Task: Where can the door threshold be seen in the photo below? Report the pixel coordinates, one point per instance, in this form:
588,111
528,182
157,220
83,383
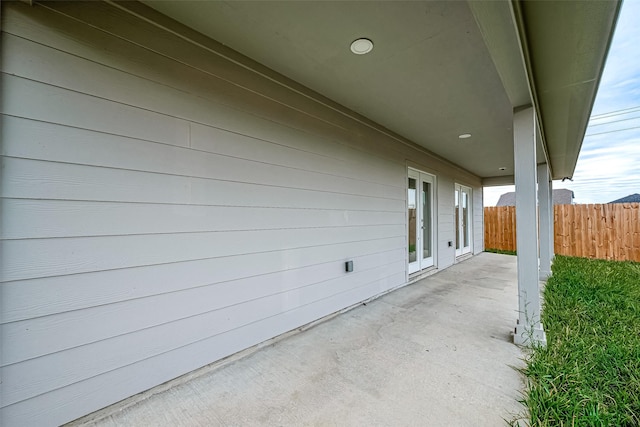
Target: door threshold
419,275
463,257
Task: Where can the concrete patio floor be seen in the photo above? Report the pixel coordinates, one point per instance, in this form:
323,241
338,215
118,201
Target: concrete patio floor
436,353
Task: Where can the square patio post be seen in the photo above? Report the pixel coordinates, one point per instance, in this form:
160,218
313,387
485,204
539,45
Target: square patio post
545,209
552,222
528,328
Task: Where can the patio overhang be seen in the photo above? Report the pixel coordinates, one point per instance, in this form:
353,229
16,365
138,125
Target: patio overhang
190,179
438,69
502,90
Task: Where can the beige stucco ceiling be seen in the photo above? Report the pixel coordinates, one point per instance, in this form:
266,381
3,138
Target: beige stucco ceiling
438,68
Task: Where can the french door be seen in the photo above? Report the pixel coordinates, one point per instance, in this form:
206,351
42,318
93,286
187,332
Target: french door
420,206
463,219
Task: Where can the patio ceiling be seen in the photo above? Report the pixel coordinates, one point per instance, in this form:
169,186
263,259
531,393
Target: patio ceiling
438,69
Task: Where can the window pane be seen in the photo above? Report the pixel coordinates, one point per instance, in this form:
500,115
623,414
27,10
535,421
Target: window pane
426,217
412,219
457,209
465,217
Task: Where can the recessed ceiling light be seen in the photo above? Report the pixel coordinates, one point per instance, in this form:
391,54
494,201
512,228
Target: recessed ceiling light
502,168
464,136
361,46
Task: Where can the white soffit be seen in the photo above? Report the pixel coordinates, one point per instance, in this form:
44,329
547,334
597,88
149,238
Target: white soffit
439,69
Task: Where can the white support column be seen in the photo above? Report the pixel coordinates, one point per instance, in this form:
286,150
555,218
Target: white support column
552,224
528,329
545,209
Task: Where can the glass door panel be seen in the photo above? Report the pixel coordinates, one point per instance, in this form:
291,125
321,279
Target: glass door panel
457,208
413,215
420,205
463,219
427,225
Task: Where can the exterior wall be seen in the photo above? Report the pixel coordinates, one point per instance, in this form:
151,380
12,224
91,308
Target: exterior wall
165,205
446,222
478,221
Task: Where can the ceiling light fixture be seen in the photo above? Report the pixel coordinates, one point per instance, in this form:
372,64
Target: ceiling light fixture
502,168
361,46
464,136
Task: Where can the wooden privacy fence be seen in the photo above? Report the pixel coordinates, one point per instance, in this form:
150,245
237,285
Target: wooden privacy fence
609,231
500,228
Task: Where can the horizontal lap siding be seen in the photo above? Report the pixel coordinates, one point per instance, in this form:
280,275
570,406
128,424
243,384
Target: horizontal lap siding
30,298
164,207
153,222
181,318
478,221
446,222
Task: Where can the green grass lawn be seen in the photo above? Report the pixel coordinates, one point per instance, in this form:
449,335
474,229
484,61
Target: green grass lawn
589,373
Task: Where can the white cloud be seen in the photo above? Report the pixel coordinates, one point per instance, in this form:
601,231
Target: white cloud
492,194
608,166
620,85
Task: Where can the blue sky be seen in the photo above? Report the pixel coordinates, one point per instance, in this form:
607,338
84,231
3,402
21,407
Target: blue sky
609,164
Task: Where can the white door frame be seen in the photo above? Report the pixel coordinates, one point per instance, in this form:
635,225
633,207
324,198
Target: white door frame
421,214
464,226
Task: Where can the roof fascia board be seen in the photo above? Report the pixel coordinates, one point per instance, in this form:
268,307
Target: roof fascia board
520,33
599,76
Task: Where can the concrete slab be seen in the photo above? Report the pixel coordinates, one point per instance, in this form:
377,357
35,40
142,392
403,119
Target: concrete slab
435,353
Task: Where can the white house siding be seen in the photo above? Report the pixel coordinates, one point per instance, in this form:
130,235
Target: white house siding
446,222
164,207
478,221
